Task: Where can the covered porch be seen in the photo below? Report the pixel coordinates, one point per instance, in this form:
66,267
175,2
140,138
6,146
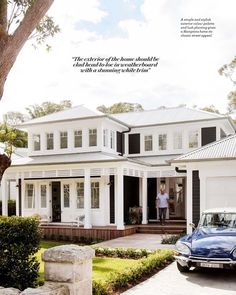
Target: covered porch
104,193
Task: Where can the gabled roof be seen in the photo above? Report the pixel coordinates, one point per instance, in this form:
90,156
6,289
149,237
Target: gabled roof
78,112
165,116
224,149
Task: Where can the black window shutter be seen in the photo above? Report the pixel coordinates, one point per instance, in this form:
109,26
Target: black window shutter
134,143
208,135
196,196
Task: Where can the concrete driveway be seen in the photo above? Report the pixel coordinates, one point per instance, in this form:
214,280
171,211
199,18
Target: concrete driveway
170,281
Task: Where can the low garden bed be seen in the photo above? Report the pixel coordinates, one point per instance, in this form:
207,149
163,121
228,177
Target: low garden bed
115,270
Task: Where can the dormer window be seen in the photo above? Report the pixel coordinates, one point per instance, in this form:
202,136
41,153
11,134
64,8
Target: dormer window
178,140
92,137
50,143
36,140
105,137
63,140
112,140
193,139
162,142
148,143
78,138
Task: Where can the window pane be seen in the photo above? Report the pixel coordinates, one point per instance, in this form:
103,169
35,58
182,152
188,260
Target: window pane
43,195
29,196
80,195
78,138
162,141
105,137
148,143
66,194
36,140
50,144
63,139
92,137
95,195
112,140
193,139
178,140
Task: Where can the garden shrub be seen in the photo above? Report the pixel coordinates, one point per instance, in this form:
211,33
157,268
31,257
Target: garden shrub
172,239
128,253
19,241
121,279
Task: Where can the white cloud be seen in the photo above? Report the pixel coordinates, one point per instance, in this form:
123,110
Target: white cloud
187,72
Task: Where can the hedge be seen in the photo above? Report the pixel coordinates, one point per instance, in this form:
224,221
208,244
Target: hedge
19,241
128,253
121,279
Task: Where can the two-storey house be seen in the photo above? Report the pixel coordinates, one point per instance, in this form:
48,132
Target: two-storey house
83,162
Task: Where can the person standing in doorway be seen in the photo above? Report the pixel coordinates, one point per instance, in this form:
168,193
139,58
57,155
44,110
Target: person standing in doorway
162,203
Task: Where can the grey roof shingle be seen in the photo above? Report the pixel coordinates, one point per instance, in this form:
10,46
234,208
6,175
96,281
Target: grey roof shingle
78,112
165,116
218,150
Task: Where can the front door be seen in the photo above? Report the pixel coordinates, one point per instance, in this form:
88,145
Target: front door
56,201
152,194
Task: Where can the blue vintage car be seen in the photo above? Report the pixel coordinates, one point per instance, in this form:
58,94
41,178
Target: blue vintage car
212,244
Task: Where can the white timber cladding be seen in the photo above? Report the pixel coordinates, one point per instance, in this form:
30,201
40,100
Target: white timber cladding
87,135
174,138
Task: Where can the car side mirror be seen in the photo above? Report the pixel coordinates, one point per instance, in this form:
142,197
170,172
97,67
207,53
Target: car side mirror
192,225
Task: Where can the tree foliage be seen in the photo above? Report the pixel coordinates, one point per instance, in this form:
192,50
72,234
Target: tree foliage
14,118
21,20
211,108
47,107
229,71
121,107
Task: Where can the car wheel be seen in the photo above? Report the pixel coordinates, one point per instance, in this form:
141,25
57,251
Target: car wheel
182,268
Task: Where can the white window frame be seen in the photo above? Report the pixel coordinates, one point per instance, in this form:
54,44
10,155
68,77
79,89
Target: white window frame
105,137
148,139
160,148
112,139
63,135
63,194
46,197
93,184
26,205
178,140
49,137
78,135
193,144
36,142
79,196
92,137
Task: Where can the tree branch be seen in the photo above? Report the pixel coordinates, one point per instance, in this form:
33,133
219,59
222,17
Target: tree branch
11,46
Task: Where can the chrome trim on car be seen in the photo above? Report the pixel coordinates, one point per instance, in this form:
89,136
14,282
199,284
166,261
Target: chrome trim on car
194,259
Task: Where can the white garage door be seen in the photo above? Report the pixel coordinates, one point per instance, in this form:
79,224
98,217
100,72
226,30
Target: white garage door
220,192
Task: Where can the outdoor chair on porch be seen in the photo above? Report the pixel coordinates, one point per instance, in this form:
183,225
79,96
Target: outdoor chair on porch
79,220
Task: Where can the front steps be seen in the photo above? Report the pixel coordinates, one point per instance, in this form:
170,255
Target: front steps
171,227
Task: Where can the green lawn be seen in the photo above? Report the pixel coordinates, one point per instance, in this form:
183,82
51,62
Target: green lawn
102,267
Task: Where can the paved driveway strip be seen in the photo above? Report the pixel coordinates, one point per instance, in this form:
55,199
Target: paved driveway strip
170,281
149,241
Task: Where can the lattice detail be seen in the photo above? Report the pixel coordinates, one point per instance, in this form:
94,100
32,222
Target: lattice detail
77,172
26,174
11,175
50,173
112,171
168,173
151,174
131,172
63,173
136,173
125,171
36,174
95,172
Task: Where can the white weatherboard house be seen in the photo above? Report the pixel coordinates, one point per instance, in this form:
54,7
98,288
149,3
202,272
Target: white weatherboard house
83,162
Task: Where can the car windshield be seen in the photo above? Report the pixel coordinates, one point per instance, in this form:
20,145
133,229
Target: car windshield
218,220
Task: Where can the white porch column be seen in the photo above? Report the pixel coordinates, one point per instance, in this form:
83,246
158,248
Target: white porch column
4,190
144,198
17,194
22,196
189,201
119,189
87,199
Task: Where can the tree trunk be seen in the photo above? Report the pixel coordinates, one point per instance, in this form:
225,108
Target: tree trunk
10,45
5,162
